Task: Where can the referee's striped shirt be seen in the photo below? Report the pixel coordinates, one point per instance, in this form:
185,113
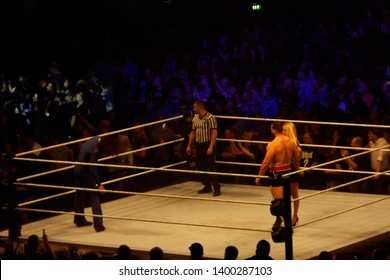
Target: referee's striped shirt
203,126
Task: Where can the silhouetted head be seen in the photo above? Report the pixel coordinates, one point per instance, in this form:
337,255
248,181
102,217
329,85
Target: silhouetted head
124,252
156,253
325,255
263,248
231,253
196,250
33,243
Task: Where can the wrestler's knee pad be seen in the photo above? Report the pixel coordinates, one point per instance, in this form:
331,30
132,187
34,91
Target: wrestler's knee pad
278,235
277,207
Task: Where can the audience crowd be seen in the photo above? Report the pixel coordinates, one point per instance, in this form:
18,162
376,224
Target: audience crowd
41,249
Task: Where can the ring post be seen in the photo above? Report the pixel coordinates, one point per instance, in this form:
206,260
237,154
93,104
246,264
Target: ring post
287,218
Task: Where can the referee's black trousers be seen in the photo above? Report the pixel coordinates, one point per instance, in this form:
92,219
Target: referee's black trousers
206,162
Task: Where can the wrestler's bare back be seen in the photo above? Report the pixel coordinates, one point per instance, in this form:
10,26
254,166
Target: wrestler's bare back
280,151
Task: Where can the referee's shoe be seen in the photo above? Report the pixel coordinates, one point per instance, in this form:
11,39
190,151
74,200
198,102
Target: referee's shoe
217,192
206,189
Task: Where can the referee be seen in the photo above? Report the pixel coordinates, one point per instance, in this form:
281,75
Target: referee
204,134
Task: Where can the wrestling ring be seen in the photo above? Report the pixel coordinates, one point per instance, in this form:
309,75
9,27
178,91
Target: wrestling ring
175,216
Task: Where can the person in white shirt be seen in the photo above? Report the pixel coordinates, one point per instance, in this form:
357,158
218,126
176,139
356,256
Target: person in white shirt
379,158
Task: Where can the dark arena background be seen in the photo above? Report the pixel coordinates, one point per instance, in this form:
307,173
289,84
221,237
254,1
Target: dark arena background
75,32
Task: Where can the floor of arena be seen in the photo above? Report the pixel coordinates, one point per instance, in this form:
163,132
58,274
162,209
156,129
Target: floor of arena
328,221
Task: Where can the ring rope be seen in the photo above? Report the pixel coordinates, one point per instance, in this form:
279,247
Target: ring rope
307,168
181,116
100,135
301,121
144,167
344,211
142,220
139,173
344,171
303,168
301,144
334,161
104,183
133,151
342,185
238,163
142,149
45,198
170,142
85,163
45,173
203,225
138,193
183,197
199,172
309,222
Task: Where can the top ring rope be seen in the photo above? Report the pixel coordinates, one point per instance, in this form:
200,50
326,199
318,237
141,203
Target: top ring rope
100,135
302,121
142,167
140,173
142,149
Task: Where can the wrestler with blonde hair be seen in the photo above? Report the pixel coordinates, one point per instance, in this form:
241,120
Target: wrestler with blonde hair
290,131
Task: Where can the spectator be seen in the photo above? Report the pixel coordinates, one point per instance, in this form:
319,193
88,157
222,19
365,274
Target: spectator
92,256
310,158
35,252
269,107
55,75
60,153
337,138
196,251
139,140
62,254
380,254
231,148
156,253
124,252
358,162
386,93
114,145
325,255
263,249
231,253
380,160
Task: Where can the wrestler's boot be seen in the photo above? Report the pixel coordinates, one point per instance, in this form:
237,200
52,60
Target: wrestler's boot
277,207
278,223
